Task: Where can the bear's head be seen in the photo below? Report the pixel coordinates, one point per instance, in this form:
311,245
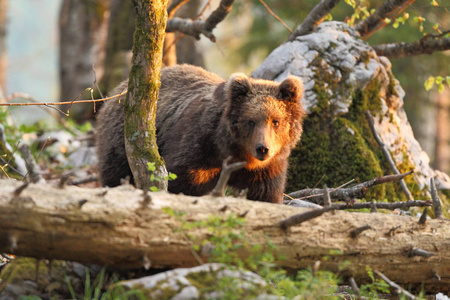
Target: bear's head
264,117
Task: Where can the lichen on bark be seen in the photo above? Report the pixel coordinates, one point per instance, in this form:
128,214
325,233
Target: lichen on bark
143,87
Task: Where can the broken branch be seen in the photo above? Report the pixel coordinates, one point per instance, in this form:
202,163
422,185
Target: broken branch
227,169
384,205
436,201
357,191
387,155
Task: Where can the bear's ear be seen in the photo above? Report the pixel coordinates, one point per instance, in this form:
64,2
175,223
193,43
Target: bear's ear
291,89
238,86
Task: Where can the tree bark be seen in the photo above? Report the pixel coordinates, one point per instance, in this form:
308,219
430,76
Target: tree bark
442,161
83,33
121,227
120,41
3,60
143,91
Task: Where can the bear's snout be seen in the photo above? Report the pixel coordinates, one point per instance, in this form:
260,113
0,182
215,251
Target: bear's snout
262,152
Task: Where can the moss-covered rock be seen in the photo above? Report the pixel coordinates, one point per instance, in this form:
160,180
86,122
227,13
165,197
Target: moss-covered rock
343,77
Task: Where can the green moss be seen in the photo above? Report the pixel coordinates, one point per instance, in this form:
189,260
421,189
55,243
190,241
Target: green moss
204,281
343,147
24,268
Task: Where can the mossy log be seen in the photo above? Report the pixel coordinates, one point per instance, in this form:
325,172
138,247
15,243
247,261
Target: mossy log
121,227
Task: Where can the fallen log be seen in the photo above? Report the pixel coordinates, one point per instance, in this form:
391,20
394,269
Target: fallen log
124,227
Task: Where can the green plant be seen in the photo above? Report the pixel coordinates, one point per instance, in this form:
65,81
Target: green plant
95,290
371,290
229,243
151,166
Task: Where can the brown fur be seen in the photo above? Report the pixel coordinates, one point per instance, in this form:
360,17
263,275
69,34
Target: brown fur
201,120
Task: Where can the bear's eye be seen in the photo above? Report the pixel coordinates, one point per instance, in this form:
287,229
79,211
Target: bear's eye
251,123
275,123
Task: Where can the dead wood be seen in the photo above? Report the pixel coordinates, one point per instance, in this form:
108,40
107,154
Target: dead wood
357,191
121,228
227,169
387,155
436,201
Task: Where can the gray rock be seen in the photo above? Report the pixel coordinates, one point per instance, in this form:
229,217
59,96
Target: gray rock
178,281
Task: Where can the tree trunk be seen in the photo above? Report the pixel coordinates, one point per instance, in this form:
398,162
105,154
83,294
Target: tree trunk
187,48
443,131
120,41
142,96
122,228
3,60
83,33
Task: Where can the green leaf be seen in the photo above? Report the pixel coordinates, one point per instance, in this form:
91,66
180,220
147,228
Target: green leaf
387,20
434,3
172,176
154,189
151,166
439,79
440,88
429,83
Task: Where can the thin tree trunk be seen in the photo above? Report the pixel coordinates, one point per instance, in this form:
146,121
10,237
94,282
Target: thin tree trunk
143,91
83,33
122,227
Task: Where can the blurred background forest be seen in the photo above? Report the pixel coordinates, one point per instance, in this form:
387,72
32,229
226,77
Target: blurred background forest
47,48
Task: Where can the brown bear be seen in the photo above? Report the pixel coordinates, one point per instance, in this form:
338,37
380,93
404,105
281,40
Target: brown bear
201,120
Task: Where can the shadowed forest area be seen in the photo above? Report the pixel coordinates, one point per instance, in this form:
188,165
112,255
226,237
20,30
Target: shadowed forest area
362,209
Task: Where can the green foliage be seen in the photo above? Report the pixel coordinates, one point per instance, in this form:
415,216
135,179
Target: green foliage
228,243
377,286
439,81
151,166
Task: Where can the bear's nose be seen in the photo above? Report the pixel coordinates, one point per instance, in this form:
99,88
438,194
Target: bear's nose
261,150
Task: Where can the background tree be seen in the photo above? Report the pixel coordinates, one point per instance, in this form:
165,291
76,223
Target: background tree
3,60
83,33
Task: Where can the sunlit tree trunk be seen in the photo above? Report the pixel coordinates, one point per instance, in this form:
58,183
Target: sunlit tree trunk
442,161
83,33
143,91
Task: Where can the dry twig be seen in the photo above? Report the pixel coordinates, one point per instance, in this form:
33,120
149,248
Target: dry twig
436,201
384,205
397,288
275,16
